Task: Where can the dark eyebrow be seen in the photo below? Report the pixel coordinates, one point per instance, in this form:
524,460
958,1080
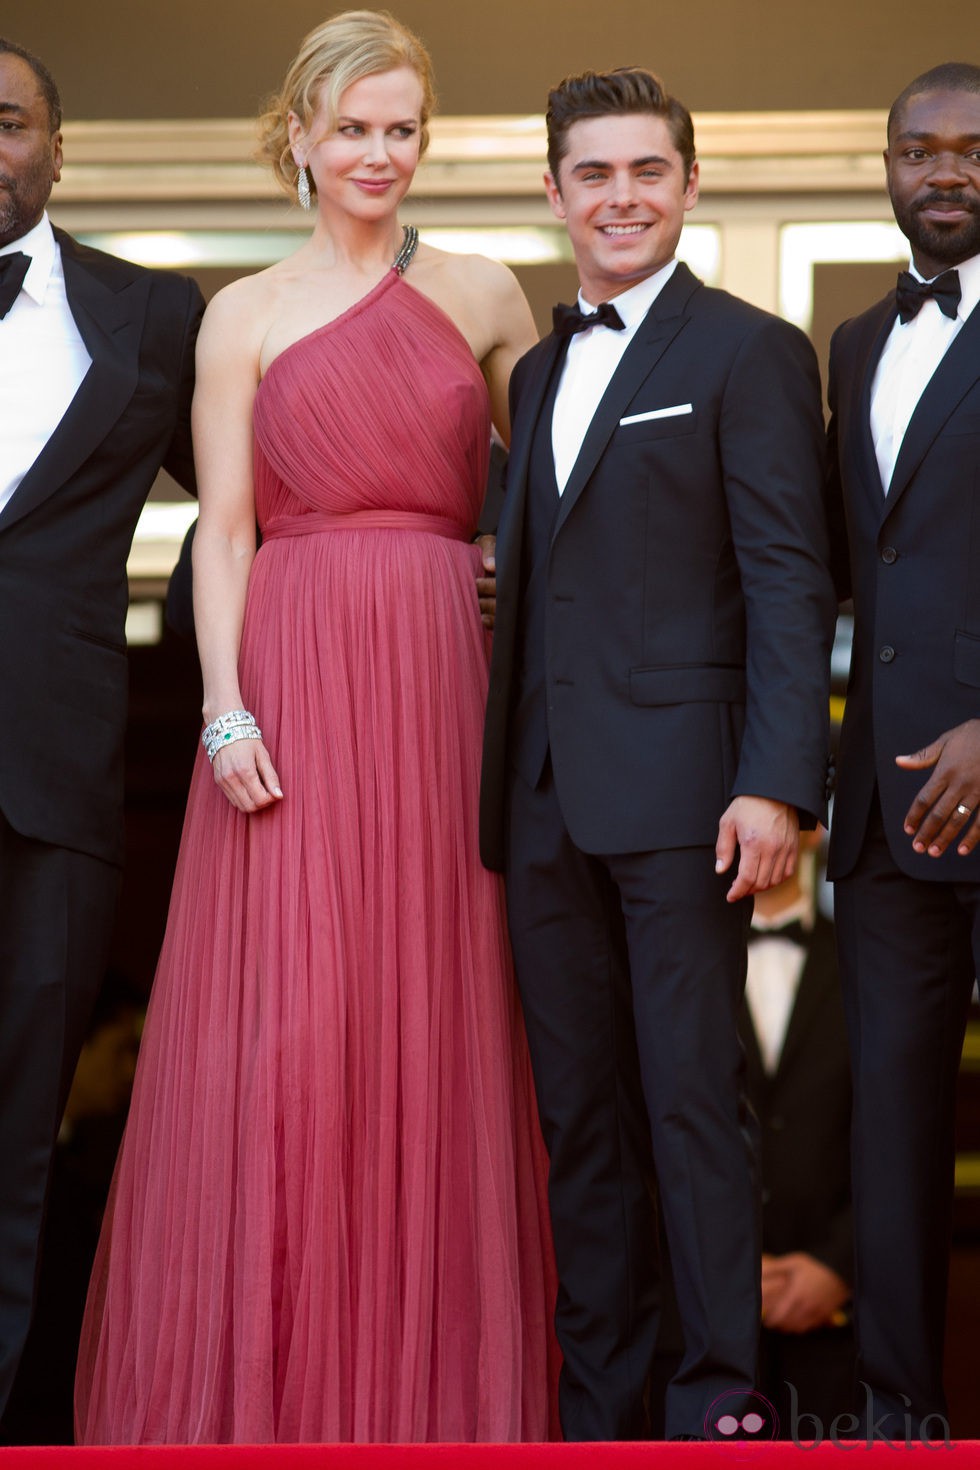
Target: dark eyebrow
13,107
598,163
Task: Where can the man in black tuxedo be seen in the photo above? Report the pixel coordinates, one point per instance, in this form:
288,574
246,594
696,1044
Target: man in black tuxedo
96,372
658,703
798,1081
905,450
799,1085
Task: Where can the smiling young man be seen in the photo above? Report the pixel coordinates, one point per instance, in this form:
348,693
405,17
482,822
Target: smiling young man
905,451
656,728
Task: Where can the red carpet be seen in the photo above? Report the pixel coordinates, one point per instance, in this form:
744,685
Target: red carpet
770,1456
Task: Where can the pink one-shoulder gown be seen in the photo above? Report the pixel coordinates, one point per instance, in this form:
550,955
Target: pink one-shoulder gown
328,1220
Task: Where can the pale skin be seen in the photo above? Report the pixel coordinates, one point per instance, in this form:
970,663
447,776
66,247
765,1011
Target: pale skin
623,191
362,164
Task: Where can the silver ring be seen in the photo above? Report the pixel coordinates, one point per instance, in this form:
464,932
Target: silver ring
962,811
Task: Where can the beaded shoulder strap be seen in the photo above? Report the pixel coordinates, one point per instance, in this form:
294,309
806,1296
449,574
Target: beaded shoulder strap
410,243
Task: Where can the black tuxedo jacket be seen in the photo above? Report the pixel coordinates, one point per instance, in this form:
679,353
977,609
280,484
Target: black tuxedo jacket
913,570
690,609
64,538
804,1112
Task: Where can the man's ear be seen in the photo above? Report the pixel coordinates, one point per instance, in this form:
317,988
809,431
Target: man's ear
693,186
554,196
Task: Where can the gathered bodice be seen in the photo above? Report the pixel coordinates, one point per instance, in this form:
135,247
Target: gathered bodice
383,409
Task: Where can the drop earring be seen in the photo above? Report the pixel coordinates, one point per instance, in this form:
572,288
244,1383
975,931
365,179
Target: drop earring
303,188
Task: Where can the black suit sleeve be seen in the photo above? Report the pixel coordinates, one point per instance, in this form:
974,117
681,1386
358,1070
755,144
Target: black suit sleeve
772,448
179,462
494,495
840,563
837,1249
179,458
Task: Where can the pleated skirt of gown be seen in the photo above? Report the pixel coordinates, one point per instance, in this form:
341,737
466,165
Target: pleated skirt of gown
328,1218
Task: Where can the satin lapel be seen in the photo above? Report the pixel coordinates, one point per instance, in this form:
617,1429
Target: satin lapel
955,376
110,323
664,320
511,524
862,444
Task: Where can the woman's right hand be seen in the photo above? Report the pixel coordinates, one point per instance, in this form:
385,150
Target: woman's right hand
244,771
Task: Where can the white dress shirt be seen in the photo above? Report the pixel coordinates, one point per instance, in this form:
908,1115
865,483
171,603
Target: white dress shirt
590,361
42,358
775,968
909,358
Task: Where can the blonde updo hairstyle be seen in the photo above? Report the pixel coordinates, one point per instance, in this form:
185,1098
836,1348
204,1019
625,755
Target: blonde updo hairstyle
341,51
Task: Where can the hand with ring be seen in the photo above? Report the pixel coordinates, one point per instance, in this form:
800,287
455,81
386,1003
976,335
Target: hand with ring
945,807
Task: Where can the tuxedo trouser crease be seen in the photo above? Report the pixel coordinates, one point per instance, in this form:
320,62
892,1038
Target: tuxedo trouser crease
909,952
57,910
631,969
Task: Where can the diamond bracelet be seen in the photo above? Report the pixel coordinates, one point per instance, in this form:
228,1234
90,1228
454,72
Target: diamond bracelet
238,724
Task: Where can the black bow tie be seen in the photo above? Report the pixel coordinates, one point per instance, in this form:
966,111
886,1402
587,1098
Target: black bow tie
13,269
912,294
793,931
571,319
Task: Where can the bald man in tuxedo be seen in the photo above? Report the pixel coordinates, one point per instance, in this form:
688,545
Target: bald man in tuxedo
96,375
904,390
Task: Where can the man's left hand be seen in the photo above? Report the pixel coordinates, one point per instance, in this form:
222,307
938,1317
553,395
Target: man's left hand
486,586
766,834
946,806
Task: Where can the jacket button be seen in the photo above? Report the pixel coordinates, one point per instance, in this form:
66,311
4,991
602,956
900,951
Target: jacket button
886,654
889,555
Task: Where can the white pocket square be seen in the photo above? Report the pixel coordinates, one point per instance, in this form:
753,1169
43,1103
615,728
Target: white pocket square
658,413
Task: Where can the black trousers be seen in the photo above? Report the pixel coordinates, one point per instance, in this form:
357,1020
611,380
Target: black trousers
57,910
809,1375
631,968
909,951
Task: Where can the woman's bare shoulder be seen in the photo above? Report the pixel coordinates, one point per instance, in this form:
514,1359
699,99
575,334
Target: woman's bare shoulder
474,273
241,312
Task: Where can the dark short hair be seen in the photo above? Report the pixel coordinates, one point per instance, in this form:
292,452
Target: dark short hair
47,83
628,89
950,76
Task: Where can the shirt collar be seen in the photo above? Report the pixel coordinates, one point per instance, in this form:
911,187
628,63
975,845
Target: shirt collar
634,304
39,243
969,274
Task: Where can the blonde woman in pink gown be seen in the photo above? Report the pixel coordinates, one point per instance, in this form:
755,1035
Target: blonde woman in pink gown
327,1221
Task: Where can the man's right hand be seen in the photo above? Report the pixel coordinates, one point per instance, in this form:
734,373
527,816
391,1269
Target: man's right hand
946,807
766,835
